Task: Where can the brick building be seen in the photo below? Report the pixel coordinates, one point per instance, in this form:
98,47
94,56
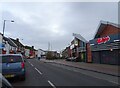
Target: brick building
30,52
20,46
105,46
66,53
77,48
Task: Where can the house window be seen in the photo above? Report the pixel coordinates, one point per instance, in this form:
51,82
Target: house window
82,44
98,36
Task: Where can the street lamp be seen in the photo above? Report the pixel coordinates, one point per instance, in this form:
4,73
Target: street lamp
4,25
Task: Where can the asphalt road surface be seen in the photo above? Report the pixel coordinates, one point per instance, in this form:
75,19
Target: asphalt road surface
39,73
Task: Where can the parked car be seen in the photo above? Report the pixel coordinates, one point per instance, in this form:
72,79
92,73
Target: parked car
4,82
13,66
71,59
76,59
67,59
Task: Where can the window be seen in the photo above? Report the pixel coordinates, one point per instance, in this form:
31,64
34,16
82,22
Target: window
11,59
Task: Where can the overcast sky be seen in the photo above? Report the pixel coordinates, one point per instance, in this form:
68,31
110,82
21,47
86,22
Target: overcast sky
54,22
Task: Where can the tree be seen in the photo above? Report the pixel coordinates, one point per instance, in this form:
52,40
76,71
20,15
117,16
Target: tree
49,55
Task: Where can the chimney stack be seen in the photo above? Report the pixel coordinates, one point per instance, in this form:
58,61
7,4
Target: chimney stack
17,39
32,47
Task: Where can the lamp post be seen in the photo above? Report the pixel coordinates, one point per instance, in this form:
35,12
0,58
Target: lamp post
4,29
4,25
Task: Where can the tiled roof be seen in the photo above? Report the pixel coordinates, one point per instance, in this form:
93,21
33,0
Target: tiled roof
29,47
10,42
17,43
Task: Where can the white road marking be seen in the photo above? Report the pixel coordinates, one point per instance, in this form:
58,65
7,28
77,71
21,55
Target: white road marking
38,71
28,62
51,84
31,64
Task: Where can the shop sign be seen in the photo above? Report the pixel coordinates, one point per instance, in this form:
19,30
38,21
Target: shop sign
76,42
2,45
72,46
103,40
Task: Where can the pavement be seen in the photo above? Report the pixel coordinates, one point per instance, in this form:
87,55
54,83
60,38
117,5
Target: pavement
100,68
41,74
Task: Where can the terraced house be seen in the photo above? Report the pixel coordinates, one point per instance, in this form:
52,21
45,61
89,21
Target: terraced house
20,46
9,46
30,52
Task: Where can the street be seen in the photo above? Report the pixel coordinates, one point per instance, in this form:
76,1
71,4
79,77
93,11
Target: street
39,73
60,43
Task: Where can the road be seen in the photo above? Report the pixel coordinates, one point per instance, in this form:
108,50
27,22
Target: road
39,73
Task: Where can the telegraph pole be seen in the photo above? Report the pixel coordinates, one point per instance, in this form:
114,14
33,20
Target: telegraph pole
48,46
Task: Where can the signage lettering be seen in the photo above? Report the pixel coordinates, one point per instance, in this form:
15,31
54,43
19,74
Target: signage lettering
103,40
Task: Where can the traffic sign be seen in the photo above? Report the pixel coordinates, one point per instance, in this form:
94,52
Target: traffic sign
2,45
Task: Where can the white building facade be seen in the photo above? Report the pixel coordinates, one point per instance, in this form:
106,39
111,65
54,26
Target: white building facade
40,53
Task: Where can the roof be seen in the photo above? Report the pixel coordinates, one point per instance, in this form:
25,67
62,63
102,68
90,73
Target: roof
78,36
11,54
42,50
10,42
18,43
102,26
1,33
29,47
51,51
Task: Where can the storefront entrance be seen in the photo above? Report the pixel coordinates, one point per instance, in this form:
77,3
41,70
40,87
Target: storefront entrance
109,57
96,57
106,57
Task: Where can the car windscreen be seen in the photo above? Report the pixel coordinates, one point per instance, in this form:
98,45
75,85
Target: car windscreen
11,59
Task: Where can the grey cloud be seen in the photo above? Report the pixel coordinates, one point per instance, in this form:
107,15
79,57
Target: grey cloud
40,23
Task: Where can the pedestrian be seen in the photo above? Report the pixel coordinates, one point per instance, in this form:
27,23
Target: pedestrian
38,58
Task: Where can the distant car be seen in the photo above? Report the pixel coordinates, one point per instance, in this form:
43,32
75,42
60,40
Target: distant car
13,66
31,57
71,59
68,59
4,82
75,59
